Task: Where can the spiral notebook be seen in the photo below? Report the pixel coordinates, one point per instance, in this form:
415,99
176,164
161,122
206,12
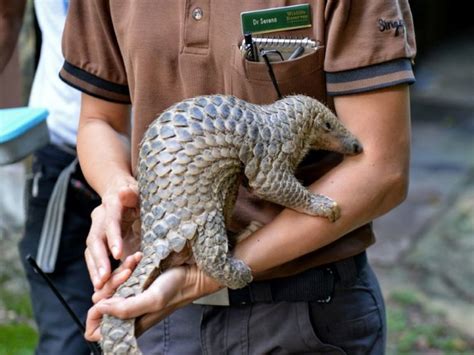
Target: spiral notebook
288,47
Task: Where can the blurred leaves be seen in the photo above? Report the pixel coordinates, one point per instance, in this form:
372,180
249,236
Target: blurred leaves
414,328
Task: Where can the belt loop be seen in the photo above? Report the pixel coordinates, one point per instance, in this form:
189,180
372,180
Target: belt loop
260,292
347,271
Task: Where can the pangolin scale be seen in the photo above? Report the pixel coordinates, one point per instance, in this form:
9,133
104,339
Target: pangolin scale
191,161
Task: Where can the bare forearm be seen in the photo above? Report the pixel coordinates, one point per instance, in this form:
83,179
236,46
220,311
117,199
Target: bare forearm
362,197
103,144
365,186
11,18
103,164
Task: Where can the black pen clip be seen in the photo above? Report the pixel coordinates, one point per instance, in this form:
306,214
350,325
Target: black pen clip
251,51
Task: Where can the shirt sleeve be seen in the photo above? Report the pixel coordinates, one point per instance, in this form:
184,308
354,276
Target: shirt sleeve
369,45
93,61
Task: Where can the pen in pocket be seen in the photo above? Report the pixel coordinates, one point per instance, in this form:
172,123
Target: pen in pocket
296,53
251,50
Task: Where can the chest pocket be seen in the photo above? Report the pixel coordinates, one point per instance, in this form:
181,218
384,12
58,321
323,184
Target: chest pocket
251,81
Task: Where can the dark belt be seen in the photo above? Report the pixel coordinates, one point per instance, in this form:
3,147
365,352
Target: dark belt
313,285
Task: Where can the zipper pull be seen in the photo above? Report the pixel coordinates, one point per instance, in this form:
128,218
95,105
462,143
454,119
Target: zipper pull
34,187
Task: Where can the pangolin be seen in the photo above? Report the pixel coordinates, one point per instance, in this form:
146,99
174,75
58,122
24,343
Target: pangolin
191,161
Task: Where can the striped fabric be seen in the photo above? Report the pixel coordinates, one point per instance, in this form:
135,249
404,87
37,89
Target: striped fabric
93,85
370,78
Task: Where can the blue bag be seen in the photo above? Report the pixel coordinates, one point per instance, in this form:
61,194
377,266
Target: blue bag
22,131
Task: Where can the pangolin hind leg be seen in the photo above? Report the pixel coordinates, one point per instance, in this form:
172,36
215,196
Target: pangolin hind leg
211,253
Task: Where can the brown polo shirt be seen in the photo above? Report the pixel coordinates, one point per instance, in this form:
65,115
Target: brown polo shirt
153,53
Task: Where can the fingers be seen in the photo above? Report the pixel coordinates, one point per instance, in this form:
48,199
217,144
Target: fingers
143,323
132,307
123,308
95,314
131,261
174,288
152,300
163,292
119,276
122,210
92,269
94,317
96,254
113,218
111,285
104,235
109,221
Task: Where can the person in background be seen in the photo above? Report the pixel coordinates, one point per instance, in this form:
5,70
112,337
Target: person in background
59,199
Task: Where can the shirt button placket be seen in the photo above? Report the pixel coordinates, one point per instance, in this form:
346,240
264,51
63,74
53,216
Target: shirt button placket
196,31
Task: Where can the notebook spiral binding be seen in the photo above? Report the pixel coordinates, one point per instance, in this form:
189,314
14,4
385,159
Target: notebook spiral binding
284,42
291,42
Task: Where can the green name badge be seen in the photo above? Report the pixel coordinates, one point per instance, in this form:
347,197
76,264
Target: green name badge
276,19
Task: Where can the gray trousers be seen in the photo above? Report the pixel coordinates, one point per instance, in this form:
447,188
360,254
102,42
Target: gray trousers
353,322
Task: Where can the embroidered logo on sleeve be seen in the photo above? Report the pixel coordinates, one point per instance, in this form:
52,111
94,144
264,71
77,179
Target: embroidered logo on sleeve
387,25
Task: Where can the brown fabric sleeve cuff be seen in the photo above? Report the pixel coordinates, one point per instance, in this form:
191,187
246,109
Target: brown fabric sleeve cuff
370,78
93,85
